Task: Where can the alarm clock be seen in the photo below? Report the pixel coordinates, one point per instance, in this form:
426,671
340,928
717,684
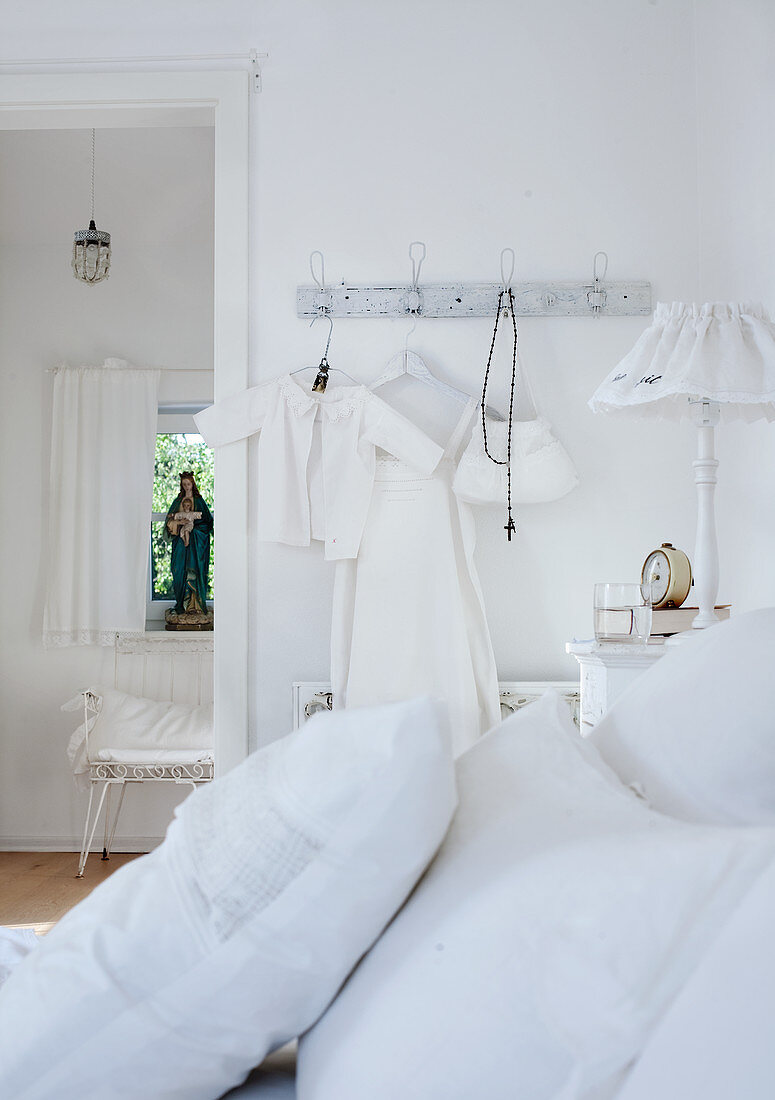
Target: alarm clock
669,573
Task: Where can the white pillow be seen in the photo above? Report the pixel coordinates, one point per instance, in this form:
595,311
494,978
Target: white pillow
697,731
142,726
558,920
176,976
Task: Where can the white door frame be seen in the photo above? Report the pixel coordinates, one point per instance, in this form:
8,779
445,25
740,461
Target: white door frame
220,99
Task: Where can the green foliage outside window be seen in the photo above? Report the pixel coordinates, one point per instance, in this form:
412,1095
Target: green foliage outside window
175,453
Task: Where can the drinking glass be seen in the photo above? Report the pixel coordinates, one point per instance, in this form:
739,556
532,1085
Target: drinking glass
623,613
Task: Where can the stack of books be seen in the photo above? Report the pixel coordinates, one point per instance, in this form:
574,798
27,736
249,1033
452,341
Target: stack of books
672,620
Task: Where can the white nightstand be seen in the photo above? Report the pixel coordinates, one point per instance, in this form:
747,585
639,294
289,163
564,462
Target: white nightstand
605,670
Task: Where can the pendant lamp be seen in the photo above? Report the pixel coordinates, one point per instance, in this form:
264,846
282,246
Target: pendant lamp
707,363
91,247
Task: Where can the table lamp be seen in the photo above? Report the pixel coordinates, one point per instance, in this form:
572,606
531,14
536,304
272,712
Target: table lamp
707,362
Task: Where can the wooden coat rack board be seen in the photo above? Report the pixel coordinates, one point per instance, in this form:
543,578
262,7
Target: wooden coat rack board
535,299
595,297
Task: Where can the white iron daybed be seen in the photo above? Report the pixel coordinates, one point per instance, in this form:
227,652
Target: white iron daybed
133,738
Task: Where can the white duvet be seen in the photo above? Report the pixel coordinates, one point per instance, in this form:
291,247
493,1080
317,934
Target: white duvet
557,923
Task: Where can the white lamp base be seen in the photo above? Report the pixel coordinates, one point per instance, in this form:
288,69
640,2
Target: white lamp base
706,565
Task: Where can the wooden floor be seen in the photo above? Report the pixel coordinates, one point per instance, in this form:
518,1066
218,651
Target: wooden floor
38,888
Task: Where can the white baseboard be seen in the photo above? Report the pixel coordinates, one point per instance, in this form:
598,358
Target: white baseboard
73,844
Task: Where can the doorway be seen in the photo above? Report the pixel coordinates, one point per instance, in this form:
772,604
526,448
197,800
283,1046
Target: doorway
170,101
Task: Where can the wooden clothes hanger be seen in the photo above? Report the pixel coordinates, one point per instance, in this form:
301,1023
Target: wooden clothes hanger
409,362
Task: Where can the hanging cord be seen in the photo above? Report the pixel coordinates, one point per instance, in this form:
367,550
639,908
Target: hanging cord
510,527
92,174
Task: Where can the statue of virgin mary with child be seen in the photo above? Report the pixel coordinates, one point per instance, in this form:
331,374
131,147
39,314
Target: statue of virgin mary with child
189,526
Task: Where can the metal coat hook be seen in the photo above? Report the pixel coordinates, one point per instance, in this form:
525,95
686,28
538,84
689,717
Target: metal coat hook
597,296
506,280
414,298
595,275
324,295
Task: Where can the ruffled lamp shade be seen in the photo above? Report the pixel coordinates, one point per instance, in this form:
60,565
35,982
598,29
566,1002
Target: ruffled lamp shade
710,362
722,352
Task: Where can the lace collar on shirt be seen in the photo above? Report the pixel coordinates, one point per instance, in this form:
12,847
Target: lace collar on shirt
337,402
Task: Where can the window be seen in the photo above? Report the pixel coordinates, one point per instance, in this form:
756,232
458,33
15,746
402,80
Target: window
175,451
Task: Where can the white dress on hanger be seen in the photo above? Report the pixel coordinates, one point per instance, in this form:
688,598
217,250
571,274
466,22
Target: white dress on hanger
408,612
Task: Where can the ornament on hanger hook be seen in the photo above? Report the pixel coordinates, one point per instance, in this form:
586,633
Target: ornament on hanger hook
91,247
597,296
414,297
323,295
506,279
321,378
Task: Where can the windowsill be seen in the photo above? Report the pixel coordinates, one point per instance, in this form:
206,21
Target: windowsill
155,639
156,629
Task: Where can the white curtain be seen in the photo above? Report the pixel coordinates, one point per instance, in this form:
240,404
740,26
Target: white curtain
103,439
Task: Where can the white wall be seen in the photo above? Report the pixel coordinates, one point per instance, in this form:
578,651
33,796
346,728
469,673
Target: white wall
736,94
558,129
546,127
154,194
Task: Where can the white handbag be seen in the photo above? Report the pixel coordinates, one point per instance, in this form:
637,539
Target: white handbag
514,461
541,468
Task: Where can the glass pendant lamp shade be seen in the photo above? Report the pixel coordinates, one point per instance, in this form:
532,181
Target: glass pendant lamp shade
91,254
91,247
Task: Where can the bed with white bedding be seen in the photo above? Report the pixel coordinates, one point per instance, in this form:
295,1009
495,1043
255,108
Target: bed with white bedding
591,922
714,1041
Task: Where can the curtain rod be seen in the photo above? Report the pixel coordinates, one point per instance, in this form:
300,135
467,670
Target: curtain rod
252,56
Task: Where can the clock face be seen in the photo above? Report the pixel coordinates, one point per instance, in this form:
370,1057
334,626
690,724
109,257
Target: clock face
656,572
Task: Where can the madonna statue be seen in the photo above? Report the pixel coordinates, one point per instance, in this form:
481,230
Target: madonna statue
189,525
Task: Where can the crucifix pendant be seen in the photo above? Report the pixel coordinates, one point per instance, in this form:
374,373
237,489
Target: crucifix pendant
510,527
